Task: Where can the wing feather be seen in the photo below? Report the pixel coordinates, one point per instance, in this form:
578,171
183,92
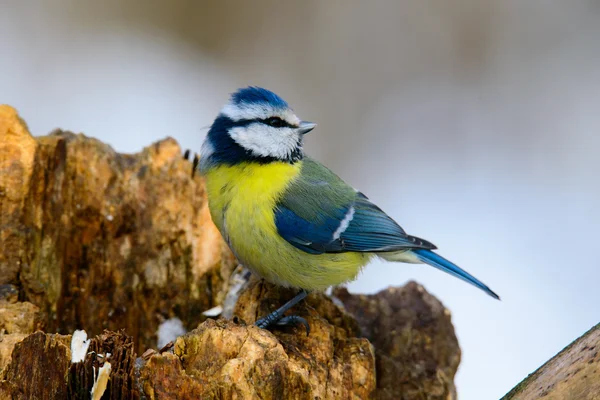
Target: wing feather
320,213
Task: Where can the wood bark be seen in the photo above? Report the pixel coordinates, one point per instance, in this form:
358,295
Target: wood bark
574,373
102,240
116,244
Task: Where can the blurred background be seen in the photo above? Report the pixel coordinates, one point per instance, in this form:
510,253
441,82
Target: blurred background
474,123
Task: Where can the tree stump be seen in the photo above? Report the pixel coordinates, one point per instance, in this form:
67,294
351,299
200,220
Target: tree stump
116,244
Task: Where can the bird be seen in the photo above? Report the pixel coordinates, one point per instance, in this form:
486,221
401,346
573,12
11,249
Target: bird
286,216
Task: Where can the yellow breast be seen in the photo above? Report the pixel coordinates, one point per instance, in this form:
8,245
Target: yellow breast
242,199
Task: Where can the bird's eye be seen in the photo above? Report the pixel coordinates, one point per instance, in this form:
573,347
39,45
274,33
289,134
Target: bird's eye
275,122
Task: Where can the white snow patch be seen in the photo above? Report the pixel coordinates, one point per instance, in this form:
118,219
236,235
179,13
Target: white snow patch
169,330
213,312
79,346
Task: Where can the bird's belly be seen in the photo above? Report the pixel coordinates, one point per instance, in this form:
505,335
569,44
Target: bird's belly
244,214
254,239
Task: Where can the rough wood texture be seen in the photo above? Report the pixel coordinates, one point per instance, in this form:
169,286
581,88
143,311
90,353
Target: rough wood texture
7,344
38,369
574,373
415,354
234,359
92,239
17,321
19,317
417,350
118,349
102,240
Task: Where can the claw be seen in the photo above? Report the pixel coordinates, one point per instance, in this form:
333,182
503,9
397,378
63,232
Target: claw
294,320
265,322
269,320
261,323
277,318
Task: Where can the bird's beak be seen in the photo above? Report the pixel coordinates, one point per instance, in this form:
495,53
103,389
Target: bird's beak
306,127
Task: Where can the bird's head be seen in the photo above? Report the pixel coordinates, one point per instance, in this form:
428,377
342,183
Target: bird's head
255,125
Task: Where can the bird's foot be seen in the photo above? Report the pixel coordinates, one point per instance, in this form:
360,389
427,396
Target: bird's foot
269,320
276,319
294,320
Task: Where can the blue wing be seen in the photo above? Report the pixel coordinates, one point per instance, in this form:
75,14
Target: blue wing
319,213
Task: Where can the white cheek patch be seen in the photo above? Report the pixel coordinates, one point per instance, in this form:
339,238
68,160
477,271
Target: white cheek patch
238,112
266,141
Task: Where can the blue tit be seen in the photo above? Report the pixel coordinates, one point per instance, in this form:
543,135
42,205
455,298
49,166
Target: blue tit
287,217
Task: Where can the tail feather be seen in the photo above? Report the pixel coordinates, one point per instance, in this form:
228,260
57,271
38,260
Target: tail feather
439,262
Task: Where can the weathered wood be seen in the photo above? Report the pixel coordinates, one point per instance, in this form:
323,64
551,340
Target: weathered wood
38,369
416,347
17,321
101,240
223,359
574,373
116,348
93,239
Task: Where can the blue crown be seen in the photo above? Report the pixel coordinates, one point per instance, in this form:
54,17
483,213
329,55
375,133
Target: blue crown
254,95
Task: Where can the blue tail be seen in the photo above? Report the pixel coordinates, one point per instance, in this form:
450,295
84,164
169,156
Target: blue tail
435,260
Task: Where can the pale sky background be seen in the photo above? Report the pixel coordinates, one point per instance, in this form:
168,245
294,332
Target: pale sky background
475,124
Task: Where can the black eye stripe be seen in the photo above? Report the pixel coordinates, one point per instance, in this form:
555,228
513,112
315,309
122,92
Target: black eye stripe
276,122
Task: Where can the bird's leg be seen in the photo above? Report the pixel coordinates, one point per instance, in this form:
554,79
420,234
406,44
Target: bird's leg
277,318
